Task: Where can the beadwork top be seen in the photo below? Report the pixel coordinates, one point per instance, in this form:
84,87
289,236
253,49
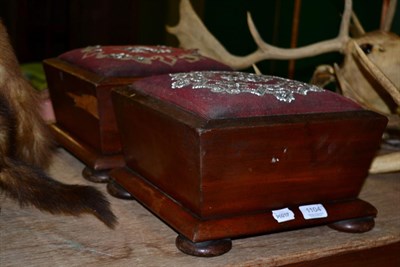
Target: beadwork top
241,82
139,61
222,94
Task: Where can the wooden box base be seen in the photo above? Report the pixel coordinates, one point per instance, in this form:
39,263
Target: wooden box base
212,237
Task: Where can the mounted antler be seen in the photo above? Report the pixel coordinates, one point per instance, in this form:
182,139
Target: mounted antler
192,33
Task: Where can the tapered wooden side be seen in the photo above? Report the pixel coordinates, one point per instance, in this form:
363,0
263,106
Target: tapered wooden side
304,159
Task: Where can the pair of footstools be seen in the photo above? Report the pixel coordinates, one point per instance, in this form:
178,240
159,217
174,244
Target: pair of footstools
213,152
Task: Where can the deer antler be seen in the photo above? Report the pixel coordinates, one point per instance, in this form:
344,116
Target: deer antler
385,163
388,11
192,33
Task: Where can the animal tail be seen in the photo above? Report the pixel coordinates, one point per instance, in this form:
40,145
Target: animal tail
31,186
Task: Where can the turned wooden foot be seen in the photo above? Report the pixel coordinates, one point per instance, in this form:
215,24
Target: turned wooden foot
203,249
358,225
95,176
117,191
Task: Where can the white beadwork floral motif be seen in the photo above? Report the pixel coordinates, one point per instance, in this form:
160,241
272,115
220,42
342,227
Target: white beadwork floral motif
142,54
242,82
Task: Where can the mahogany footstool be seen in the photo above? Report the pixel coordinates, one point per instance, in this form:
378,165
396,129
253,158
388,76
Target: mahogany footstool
218,155
80,83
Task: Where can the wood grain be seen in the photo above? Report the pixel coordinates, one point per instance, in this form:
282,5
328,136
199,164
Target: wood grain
31,238
67,82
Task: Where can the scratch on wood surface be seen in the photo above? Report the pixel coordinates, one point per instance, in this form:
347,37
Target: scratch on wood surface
78,246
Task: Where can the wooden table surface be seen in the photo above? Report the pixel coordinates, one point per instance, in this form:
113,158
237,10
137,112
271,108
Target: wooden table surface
29,237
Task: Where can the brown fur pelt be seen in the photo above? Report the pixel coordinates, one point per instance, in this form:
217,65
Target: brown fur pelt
26,149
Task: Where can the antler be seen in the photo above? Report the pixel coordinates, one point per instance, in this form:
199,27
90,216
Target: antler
385,163
192,34
388,11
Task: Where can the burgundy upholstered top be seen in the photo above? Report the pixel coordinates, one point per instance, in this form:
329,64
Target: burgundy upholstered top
139,61
220,94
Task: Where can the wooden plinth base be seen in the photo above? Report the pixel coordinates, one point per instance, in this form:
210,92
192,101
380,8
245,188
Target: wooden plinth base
97,164
203,249
118,191
358,225
95,176
353,215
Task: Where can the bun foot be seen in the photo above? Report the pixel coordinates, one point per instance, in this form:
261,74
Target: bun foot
117,191
95,176
203,249
358,225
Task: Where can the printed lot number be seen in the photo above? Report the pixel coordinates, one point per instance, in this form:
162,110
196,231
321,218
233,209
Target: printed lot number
314,211
283,215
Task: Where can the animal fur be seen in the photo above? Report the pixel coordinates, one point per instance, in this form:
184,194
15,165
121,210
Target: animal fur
26,150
